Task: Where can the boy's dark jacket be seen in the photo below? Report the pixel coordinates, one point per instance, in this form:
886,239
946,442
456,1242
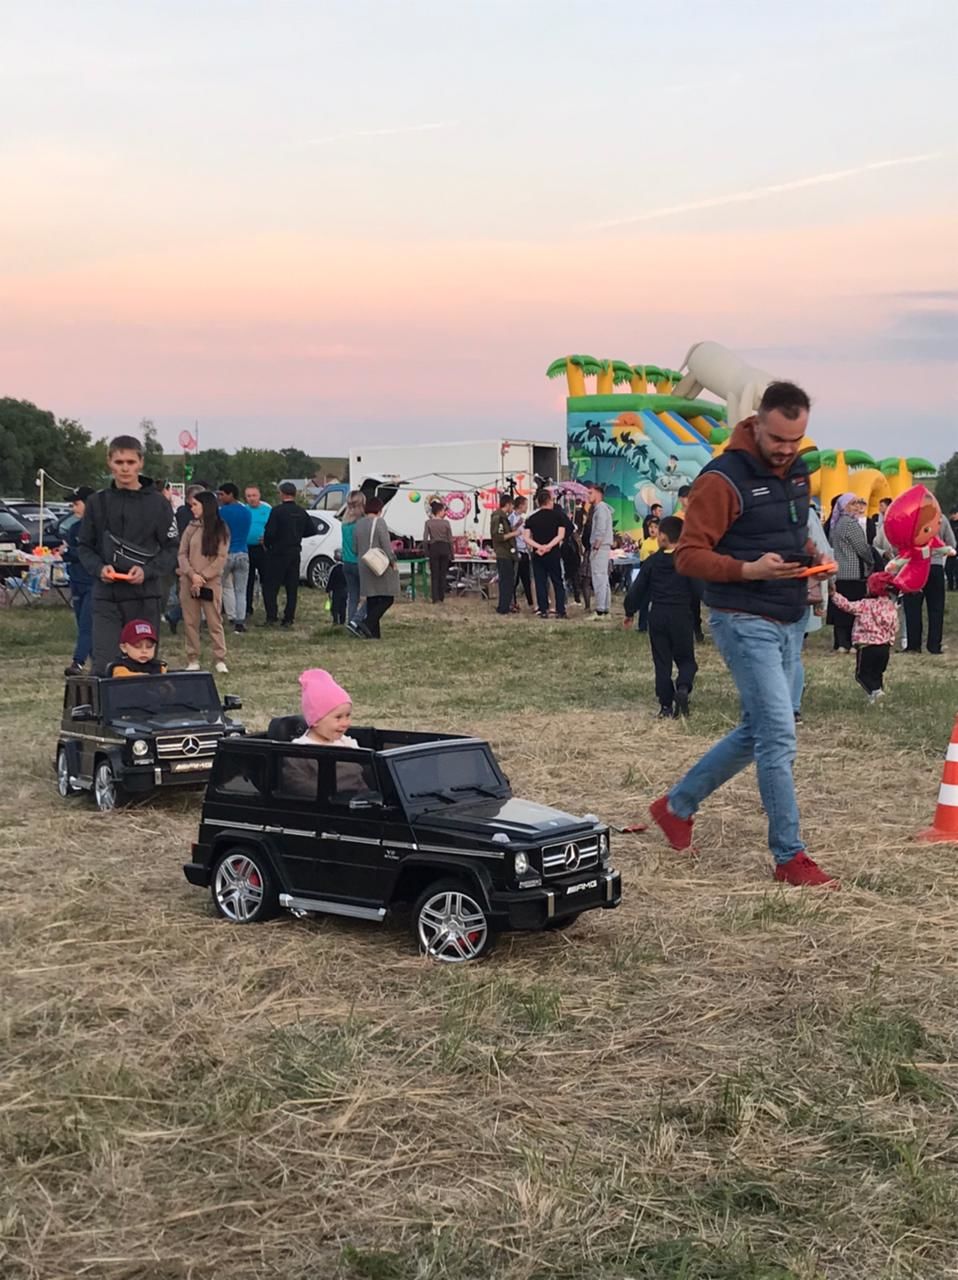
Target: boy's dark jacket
141,517
659,583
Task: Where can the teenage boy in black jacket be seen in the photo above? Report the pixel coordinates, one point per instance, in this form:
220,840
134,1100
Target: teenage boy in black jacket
128,543
287,526
671,597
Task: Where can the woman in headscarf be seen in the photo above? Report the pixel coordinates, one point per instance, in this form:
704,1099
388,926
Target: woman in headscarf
854,557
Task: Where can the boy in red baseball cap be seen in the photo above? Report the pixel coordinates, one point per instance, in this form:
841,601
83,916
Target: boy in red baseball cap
138,641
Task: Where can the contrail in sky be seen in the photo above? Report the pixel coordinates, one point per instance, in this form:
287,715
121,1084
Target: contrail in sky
761,193
377,133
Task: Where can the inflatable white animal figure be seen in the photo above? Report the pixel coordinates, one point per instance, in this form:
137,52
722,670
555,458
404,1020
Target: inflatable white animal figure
712,367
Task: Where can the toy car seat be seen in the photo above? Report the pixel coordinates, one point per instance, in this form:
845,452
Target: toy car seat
286,728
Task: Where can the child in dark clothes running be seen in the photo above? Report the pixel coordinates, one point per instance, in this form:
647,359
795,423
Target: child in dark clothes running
337,590
670,597
874,631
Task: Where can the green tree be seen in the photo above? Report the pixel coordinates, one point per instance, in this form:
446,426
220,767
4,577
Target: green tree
946,486
212,465
31,438
153,463
296,464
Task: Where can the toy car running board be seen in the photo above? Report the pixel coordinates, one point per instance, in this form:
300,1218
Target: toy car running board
294,904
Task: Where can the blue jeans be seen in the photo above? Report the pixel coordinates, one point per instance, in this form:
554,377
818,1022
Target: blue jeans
761,657
351,570
82,600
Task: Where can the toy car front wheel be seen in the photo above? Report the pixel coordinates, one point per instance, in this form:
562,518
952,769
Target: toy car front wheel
107,792
318,571
450,925
64,786
242,887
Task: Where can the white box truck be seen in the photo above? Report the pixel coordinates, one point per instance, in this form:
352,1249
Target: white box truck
467,476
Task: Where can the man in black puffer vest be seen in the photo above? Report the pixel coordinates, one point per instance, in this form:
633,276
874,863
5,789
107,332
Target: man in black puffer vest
128,529
746,537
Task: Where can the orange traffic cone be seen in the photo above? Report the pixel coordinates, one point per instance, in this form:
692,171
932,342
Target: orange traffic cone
944,829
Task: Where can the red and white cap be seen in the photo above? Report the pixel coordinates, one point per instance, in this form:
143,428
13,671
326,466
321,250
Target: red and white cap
138,629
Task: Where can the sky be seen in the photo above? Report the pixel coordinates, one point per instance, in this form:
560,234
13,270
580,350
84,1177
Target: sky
323,223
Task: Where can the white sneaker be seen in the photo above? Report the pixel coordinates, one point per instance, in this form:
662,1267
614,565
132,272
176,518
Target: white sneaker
598,617
222,668
192,666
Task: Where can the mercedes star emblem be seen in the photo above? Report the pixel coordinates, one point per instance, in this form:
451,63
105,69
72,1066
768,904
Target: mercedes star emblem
191,746
571,858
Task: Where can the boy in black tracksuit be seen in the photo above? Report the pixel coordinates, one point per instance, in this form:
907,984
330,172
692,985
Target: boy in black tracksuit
671,597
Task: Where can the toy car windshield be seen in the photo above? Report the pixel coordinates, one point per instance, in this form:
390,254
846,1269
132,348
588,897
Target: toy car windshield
435,778
168,697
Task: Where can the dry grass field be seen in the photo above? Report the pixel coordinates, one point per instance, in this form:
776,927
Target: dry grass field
722,1080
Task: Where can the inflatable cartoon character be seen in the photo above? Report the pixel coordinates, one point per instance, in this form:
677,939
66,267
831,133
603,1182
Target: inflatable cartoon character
911,526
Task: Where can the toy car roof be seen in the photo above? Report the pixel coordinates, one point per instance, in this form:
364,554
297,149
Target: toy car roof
386,742
88,677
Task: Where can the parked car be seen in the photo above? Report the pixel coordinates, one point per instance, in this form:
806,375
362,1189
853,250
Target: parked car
14,533
319,552
124,737
28,513
425,821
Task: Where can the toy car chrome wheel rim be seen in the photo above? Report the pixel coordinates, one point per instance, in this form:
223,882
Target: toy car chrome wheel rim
317,574
239,887
452,927
104,788
63,774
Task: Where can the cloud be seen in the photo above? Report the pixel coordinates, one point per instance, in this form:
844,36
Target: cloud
762,193
348,134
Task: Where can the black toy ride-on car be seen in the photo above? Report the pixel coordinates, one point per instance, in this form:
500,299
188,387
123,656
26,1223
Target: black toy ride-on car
409,820
126,736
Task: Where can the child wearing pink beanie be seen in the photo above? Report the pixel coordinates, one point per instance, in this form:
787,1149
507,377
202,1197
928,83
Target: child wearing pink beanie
327,710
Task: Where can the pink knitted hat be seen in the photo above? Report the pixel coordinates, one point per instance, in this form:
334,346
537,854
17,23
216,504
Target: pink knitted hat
321,694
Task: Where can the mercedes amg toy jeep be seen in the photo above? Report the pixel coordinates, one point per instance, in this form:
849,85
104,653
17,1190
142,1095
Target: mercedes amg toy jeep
124,737
418,820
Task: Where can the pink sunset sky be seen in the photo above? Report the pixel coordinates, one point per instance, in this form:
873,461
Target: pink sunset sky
328,224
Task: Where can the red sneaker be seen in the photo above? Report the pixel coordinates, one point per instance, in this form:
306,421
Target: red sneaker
801,870
678,831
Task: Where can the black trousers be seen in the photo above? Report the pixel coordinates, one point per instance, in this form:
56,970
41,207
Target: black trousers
934,597
338,598
376,606
870,666
672,640
842,622
572,564
110,616
506,572
258,557
546,569
524,578
951,573
440,558
282,571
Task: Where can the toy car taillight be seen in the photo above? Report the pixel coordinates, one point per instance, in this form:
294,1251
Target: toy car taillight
25,538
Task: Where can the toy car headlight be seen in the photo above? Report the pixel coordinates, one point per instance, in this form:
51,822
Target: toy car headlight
141,748
604,850
522,864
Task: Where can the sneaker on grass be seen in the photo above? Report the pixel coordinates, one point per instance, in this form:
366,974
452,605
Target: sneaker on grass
803,872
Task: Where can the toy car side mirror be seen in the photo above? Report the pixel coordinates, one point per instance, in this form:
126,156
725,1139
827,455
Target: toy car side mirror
232,703
82,712
367,800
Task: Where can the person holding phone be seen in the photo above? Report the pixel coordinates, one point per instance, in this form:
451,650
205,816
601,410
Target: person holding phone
746,537
203,551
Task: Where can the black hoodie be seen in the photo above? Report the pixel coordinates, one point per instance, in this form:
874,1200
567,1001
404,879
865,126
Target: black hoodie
124,527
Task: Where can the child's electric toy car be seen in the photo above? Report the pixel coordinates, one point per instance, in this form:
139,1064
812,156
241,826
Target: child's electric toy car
420,820
123,737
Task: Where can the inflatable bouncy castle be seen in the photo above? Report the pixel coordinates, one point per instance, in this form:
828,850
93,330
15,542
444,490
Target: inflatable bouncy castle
645,432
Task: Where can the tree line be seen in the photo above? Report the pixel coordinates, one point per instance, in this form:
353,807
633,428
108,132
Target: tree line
31,438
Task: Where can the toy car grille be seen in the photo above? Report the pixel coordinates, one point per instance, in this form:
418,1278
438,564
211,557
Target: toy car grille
186,746
571,855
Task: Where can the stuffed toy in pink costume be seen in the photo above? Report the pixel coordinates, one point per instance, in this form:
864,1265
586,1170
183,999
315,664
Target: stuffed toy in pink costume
911,528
